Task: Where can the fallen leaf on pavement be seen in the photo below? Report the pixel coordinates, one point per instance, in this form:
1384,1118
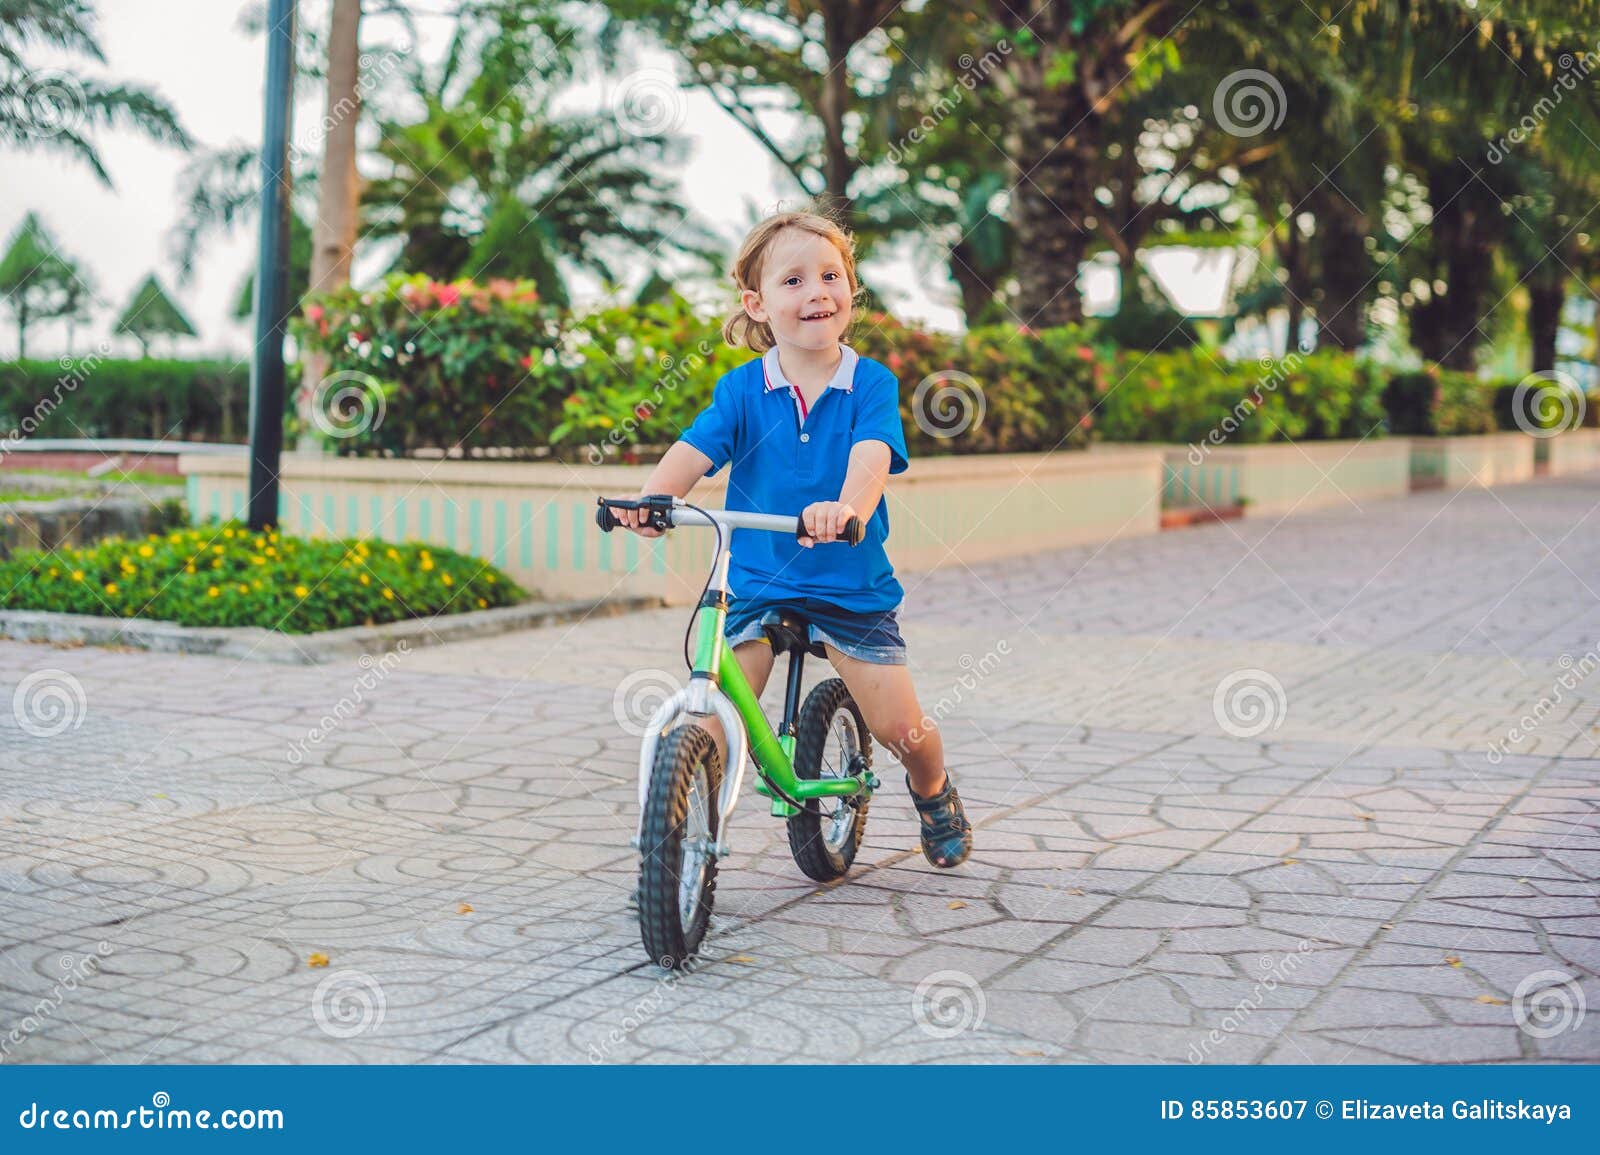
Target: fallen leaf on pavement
957,904
317,959
1452,960
1491,1000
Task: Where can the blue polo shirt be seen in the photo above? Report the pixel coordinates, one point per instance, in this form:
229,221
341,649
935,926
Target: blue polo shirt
781,465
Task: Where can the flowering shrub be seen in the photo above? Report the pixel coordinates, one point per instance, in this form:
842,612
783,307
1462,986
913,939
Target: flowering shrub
1438,403
417,363
225,575
1196,397
636,377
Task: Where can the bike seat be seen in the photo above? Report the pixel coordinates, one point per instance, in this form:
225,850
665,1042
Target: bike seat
791,631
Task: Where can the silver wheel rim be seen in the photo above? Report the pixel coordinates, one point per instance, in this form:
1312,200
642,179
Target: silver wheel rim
696,839
838,755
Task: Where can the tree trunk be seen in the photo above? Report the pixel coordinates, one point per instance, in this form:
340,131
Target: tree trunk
832,103
1547,290
977,289
1346,276
1467,226
1053,201
339,191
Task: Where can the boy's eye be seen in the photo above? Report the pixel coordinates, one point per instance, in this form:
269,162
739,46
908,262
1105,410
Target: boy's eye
830,276
791,280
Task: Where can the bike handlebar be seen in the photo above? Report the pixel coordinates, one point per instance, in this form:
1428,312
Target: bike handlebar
668,512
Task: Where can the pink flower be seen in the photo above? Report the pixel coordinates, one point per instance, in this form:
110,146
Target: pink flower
314,312
1025,330
448,294
1085,353
895,361
527,362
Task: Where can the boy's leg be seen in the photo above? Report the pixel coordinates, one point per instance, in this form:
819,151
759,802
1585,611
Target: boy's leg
888,702
755,659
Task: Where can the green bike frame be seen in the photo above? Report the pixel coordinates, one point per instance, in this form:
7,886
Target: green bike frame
717,687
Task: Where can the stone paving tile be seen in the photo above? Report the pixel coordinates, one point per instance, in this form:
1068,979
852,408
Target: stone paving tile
1376,870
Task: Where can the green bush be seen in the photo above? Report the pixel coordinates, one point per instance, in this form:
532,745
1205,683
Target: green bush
1194,397
429,364
107,397
995,389
1437,402
224,575
636,376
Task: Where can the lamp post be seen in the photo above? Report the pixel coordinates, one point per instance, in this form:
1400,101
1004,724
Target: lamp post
272,269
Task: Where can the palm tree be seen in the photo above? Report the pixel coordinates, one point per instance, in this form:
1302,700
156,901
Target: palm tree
488,181
44,108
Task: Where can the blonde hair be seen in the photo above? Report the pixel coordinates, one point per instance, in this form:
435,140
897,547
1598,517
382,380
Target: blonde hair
741,330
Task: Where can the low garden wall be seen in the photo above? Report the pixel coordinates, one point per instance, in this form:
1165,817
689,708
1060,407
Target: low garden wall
536,520
1478,459
1574,451
1272,479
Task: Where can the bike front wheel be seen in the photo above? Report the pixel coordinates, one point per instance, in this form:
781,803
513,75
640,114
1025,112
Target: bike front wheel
832,742
678,871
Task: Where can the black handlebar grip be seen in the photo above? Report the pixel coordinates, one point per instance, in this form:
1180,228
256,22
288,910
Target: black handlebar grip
603,517
854,530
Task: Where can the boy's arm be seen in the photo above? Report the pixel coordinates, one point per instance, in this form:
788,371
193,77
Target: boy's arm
865,477
676,473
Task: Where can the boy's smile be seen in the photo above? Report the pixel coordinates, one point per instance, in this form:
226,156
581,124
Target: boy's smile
804,292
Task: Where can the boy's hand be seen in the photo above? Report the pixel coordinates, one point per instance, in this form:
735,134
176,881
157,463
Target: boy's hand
634,519
825,521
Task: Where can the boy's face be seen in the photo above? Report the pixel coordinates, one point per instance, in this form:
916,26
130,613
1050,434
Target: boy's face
804,292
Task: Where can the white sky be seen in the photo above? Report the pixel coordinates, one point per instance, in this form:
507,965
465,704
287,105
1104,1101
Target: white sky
194,53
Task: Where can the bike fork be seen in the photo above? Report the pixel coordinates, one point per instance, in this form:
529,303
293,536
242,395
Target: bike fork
700,698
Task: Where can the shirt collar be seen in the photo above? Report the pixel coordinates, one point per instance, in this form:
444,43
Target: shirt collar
844,377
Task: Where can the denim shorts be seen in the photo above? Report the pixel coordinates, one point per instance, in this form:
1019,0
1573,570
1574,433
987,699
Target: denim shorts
870,637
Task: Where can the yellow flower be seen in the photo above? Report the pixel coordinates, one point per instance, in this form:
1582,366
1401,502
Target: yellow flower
146,551
447,579
260,543
272,537
388,593
490,578
77,575
213,592
365,580
482,604
217,564
111,587
271,552
392,552
189,568
301,592
227,533
216,549
244,589
427,563
54,571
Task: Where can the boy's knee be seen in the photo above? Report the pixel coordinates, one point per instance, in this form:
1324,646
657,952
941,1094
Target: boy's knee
904,736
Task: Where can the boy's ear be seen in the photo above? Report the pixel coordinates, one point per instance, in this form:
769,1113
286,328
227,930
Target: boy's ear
751,300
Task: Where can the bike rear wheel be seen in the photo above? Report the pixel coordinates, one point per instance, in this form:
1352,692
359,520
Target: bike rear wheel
678,870
832,741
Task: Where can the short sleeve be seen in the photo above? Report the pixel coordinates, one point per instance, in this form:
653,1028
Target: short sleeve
715,431
878,417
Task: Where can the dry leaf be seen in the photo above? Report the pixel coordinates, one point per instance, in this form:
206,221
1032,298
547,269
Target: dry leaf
741,958
317,959
1367,817
1491,1000
1386,926
957,904
464,908
1029,1054
1073,890
1452,960
1290,861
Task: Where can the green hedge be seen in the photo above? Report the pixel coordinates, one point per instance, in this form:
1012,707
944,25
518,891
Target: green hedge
224,575
1195,397
1435,402
105,397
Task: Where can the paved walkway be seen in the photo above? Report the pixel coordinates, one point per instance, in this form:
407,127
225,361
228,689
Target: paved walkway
1319,791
